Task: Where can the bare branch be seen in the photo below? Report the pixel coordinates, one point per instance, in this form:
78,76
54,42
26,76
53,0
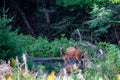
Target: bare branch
25,19
80,38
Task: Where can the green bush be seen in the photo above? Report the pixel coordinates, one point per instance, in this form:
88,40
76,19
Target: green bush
43,48
100,20
112,60
25,41
9,45
112,53
108,65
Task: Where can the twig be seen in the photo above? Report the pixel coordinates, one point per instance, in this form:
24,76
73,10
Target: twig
88,44
79,35
94,47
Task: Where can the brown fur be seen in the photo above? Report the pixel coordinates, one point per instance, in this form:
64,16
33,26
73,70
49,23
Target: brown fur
70,53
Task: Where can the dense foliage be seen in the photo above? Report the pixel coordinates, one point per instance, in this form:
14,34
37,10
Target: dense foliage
9,45
107,65
54,23
100,20
95,19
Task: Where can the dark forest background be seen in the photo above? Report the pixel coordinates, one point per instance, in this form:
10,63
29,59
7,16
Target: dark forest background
97,20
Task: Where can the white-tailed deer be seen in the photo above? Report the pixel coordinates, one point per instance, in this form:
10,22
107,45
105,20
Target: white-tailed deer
70,53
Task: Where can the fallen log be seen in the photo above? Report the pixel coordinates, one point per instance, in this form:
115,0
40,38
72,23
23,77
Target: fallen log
54,59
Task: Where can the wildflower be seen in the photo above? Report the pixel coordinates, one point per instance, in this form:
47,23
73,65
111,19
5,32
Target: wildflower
118,77
51,76
9,78
100,78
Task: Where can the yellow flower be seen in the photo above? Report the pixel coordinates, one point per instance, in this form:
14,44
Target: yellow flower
118,77
51,76
9,78
100,78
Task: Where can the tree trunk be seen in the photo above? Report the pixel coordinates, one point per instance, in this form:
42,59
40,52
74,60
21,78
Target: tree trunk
47,17
24,19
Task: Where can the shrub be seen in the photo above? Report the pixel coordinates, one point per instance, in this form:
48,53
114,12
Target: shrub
112,53
9,45
100,19
44,48
108,65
